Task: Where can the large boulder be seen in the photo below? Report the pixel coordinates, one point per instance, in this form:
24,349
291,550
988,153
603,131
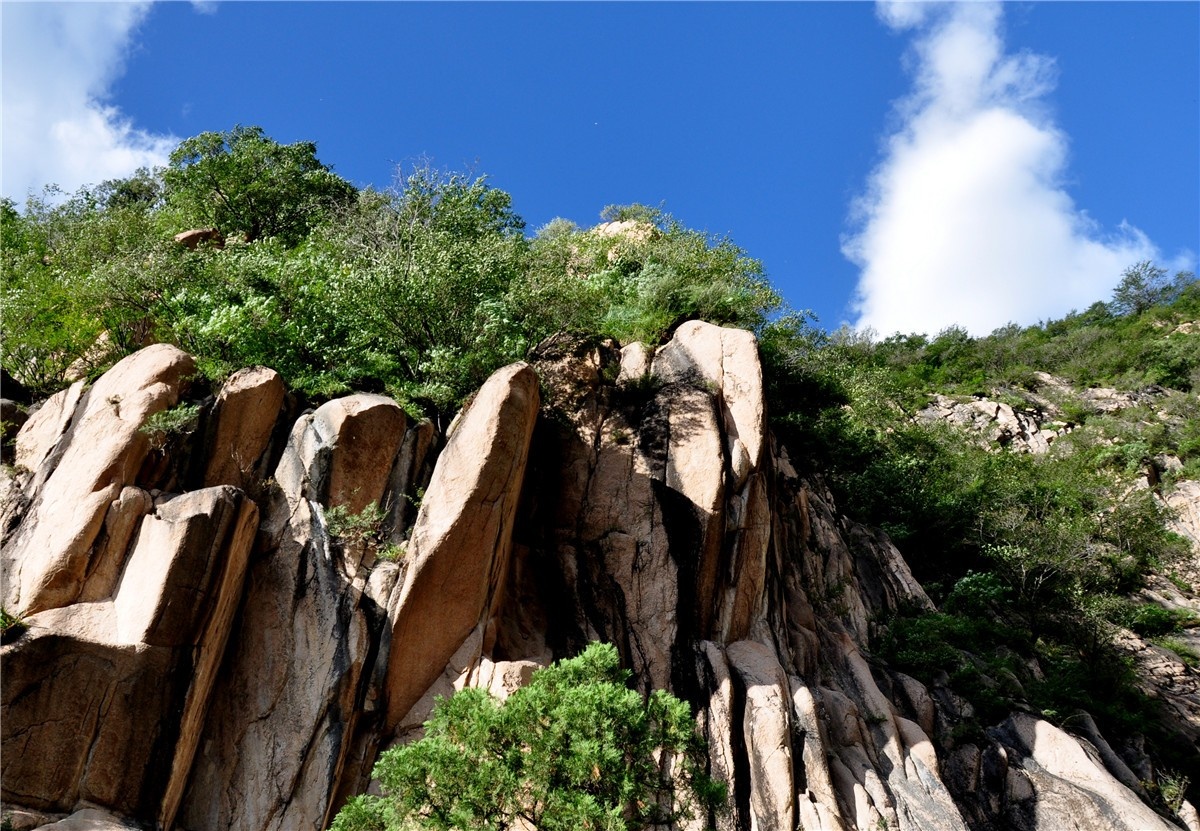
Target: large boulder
1055,781
50,557
102,702
459,551
767,733
288,695
247,408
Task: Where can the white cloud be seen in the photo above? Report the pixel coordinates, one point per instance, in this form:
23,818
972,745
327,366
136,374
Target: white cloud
60,61
966,221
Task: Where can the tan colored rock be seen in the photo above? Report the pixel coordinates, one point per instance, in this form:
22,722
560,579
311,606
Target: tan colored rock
121,522
49,559
408,478
23,819
90,819
608,521
1164,677
247,408
1064,787
46,426
696,469
817,805
102,701
767,733
289,693
461,542
344,452
1107,400
1184,502
717,722
192,238
749,517
636,359
726,361
503,678
633,229
995,423
69,702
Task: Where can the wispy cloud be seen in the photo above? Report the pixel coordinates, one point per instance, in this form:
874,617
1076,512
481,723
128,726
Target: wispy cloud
60,61
966,220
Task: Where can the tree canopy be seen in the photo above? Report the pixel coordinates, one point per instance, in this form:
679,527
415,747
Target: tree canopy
421,290
574,750
242,182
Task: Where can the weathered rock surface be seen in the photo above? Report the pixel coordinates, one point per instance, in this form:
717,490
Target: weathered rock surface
193,237
1053,781
191,666
288,693
48,559
459,551
994,421
101,701
1184,502
245,414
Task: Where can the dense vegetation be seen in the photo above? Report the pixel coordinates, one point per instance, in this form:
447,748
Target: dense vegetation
574,749
423,290
1033,560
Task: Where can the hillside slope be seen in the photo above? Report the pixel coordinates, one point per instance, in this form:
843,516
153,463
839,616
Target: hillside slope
227,620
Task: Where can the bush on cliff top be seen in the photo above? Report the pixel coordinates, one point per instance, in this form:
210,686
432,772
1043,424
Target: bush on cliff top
421,290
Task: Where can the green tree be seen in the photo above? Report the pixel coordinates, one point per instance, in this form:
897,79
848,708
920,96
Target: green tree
1144,285
427,267
575,749
242,182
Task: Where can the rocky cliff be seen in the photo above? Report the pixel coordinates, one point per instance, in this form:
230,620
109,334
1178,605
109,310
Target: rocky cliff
225,622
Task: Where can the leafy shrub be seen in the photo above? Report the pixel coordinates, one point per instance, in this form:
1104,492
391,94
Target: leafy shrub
12,626
575,749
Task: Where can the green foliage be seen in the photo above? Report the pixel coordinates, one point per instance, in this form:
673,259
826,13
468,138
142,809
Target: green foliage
425,272
12,626
1144,286
575,749
421,291
174,420
1031,559
363,531
640,284
1172,787
363,525
242,182
1181,648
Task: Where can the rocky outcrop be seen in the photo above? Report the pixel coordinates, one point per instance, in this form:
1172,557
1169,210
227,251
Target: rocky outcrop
82,463
289,692
103,700
995,421
1184,502
194,237
244,418
201,659
458,555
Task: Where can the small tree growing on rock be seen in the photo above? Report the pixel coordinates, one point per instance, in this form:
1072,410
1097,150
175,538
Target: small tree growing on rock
575,749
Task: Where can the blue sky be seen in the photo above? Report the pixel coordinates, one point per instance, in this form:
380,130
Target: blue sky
900,166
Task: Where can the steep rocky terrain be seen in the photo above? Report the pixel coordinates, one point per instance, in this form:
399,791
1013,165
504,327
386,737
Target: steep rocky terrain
225,622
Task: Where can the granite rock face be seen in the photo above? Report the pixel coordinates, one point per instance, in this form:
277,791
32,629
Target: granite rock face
226,638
